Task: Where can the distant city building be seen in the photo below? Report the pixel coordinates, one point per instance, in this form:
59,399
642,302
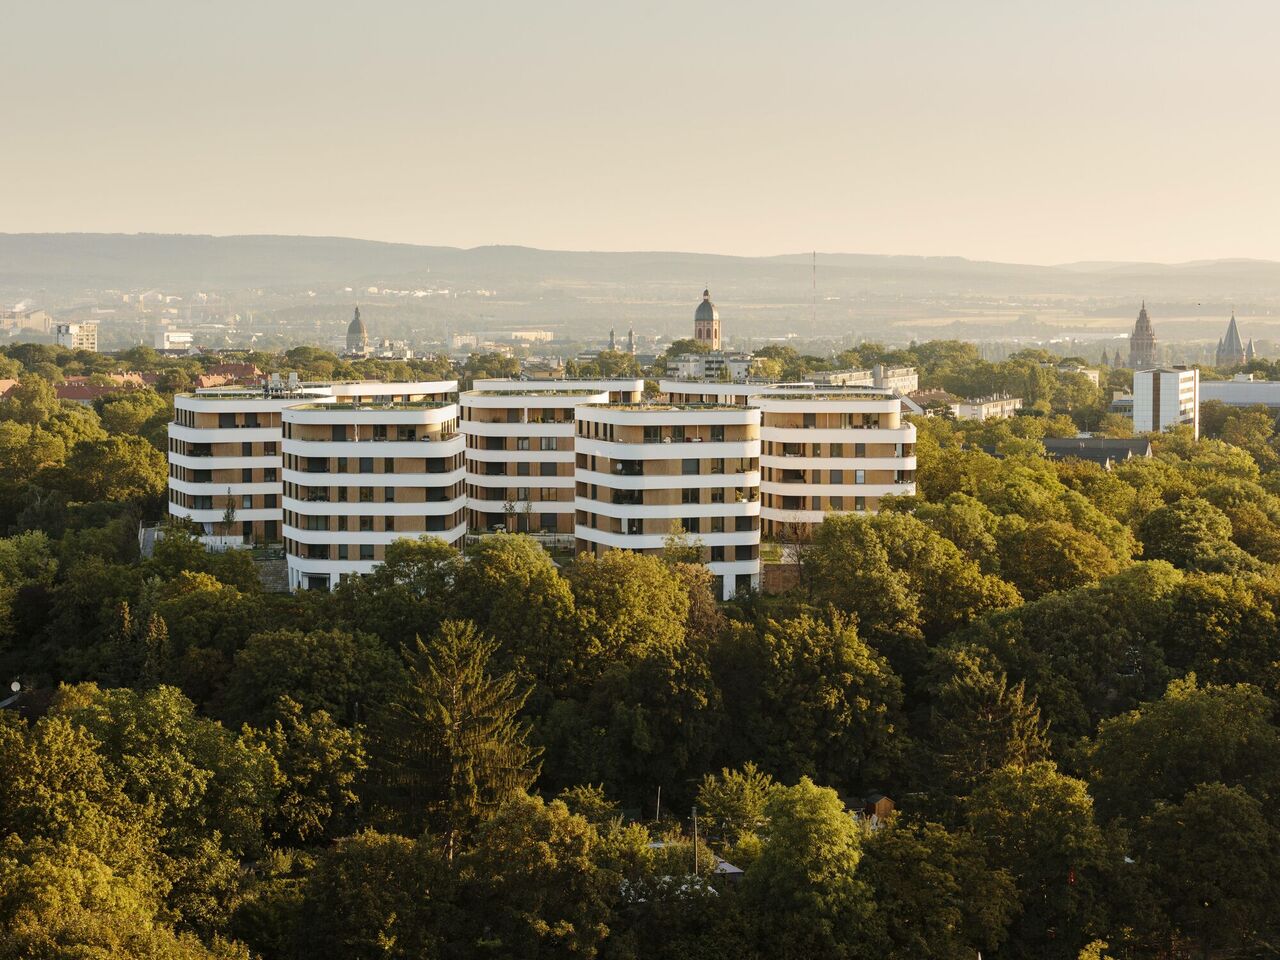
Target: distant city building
357,336
1242,390
1166,397
174,341
1104,451
716,365
76,336
706,323
998,407
901,380
1142,342
1231,350
532,336
1075,368
23,316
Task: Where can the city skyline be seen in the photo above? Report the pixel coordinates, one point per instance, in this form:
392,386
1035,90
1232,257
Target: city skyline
1038,134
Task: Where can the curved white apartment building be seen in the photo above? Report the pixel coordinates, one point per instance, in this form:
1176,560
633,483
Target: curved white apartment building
520,457
224,447
828,450
360,474
643,468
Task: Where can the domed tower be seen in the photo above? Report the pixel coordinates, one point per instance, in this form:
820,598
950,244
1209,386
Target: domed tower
357,335
1142,342
706,323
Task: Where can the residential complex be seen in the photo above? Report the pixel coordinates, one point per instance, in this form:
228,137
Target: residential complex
360,474
519,439
336,471
1166,397
646,471
830,451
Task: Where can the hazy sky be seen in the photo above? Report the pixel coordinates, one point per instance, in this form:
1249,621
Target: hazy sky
1027,131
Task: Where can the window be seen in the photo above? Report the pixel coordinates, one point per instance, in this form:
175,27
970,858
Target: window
859,449
677,432
366,494
269,475
717,495
522,443
522,493
342,523
717,524
342,464
693,525
652,434
268,449
547,469
690,495
342,494
246,449
549,494
379,431
689,467
338,431
389,494
271,500
342,551
837,449
810,419
837,503
837,476
388,465
522,468
547,443
246,502
859,503
366,551
859,476
717,434
717,554
226,420
388,523
366,464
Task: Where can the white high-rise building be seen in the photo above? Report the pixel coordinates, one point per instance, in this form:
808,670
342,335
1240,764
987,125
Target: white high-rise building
1166,397
646,470
76,336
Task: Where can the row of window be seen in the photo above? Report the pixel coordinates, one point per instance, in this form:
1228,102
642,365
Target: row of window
299,491
517,443
351,432
857,450
370,464
247,449
389,523
246,475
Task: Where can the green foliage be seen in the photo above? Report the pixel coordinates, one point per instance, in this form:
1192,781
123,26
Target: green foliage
453,749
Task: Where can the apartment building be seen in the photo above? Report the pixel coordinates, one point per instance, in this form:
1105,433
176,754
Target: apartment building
76,336
359,474
644,470
828,450
224,449
682,392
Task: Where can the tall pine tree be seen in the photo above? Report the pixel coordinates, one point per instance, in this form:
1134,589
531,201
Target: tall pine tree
453,748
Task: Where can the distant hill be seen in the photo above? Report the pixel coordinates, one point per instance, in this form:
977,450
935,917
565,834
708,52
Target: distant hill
191,262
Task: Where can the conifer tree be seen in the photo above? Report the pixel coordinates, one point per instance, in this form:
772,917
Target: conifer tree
453,746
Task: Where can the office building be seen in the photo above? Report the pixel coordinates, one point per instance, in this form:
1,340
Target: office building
647,470
1242,390
1166,397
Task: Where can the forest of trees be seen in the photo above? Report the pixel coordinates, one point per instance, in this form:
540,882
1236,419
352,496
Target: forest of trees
1065,677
